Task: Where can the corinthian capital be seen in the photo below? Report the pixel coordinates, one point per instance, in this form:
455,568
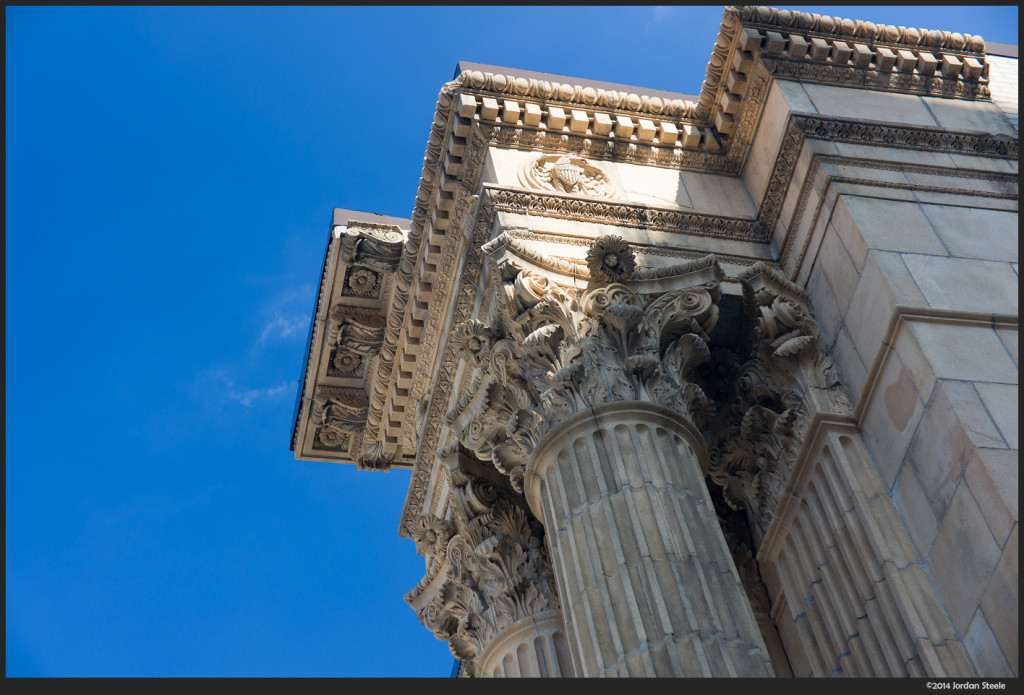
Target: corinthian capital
496,570
788,379
553,353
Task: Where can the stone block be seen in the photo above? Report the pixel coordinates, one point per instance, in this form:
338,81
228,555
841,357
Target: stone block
737,82
774,42
906,61
941,447
891,418
730,102
841,52
1009,339
927,63
578,121
870,310
884,59
798,46
533,114
556,118
972,68
725,122
510,111
986,286
467,105
645,129
890,225
963,558
964,351
623,126
921,372
951,66
918,516
852,371
750,39
1001,401
861,55
1000,601
711,142
743,61
819,49
489,111
992,476
984,651
839,270
667,133
975,232
849,234
901,283
691,135
602,123
968,116
823,303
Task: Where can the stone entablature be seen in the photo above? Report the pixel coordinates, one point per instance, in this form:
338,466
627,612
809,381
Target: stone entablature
701,136
511,305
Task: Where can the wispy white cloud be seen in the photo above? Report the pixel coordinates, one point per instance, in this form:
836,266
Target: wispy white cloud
248,397
663,12
280,328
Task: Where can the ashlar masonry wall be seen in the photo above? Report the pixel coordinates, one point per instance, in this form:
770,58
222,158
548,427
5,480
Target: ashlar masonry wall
907,247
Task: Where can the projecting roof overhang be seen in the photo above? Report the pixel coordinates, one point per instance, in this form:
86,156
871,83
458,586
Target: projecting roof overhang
397,318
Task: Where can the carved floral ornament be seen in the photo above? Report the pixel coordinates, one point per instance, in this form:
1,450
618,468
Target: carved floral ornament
787,379
496,570
568,174
551,356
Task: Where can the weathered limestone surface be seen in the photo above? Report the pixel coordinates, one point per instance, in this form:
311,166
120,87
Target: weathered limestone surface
721,385
652,591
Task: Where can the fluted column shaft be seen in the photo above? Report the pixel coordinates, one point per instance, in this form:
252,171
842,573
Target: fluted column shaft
534,647
647,583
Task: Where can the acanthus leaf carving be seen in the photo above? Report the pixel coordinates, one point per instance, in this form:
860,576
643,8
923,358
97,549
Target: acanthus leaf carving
788,378
496,570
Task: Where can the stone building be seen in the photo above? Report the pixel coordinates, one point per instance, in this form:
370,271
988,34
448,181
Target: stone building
713,385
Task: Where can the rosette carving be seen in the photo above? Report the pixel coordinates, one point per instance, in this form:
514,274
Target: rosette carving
610,259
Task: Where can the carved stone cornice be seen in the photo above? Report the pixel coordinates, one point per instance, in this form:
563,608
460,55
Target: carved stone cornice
464,125
800,128
496,569
829,50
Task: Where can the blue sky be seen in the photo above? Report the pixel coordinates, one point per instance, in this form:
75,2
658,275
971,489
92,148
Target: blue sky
171,173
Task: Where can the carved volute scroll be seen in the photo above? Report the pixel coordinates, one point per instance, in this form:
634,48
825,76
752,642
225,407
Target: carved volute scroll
375,246
788,378
497,571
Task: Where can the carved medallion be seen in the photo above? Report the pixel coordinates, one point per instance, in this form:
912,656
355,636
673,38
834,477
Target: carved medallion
568,174
361,282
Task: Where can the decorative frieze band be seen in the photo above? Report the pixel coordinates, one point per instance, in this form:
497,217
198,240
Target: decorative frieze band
622,214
